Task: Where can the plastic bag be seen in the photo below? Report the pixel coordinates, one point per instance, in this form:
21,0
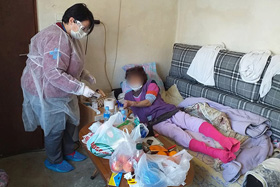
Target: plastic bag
160,171
176,168
149,174
95,126
139,133
107,137
123,157
87,137
126,125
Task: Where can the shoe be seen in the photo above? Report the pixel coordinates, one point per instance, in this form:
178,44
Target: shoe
75,156
223,155
228,143
62,167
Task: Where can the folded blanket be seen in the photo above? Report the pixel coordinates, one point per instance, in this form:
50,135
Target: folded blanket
252,65
253,152
202,66
272,70
242,121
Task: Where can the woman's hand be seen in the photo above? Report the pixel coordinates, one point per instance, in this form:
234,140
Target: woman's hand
128,103
144,103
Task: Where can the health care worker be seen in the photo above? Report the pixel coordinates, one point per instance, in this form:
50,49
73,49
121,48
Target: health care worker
51,82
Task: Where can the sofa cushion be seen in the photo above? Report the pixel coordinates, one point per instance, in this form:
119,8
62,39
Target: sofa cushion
182,58
272,98
227,77
172,95
188,89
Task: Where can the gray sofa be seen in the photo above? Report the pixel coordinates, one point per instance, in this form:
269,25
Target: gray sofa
229,88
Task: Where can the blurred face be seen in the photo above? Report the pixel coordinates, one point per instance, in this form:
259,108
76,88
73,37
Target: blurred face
135,82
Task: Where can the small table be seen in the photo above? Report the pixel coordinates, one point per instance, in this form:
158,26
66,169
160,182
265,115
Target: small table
102,165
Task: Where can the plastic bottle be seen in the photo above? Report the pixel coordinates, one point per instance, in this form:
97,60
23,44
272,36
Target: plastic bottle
115,109
136,121
120,105
139,151
106,114
123,114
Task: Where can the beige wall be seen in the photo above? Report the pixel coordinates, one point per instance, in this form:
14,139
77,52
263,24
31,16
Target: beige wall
243,25
147,33
148,29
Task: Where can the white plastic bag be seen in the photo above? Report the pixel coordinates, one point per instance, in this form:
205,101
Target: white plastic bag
163,170
139,133
124,155
148,173
176,168
107,137
87,137
95,126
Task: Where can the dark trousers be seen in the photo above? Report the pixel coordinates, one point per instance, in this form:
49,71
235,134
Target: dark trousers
60,143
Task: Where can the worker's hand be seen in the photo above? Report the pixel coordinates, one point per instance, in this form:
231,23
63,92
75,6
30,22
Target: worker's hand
128,103
88,92
97,95
88,77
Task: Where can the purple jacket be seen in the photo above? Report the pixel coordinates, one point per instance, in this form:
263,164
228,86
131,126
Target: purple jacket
150,113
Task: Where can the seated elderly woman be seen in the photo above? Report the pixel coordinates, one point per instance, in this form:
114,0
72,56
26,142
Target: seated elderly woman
145,101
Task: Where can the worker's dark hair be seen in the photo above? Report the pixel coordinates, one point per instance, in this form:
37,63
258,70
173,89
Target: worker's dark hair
79,12
137,71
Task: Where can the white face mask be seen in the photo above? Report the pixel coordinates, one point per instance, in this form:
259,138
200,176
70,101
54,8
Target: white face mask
136,87
80,33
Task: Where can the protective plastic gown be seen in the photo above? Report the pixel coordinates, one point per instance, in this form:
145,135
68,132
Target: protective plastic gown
50,81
